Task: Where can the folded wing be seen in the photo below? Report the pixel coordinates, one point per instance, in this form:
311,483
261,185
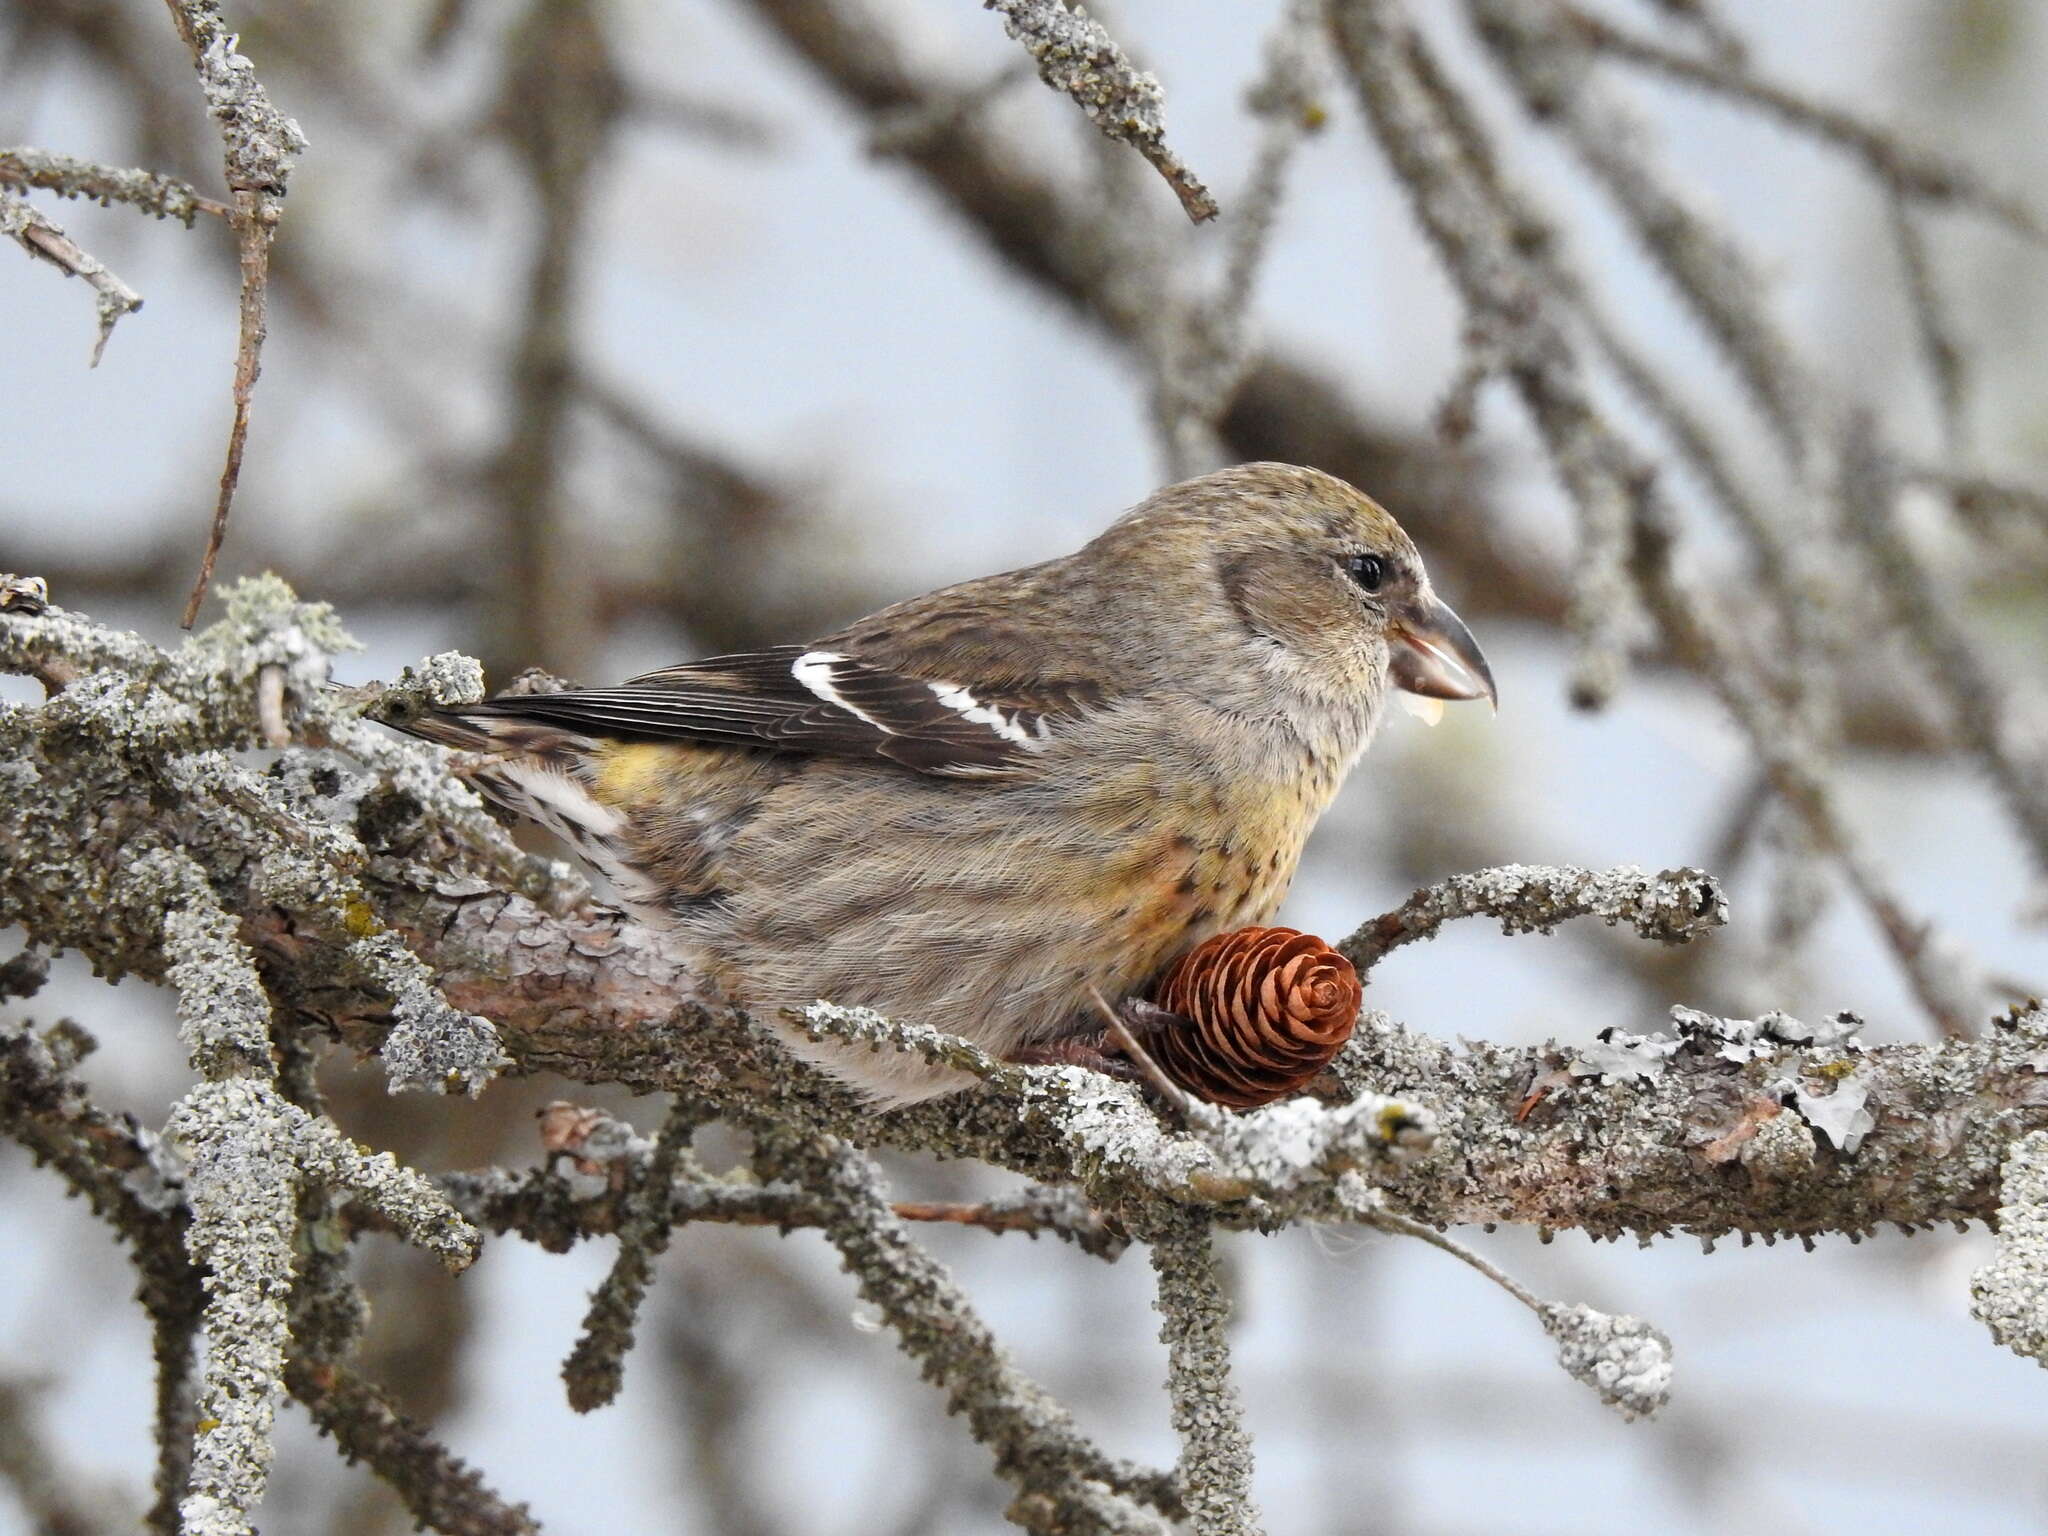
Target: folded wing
816,700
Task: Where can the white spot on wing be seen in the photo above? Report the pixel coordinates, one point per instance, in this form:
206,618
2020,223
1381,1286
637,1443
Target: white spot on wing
813,669
972,710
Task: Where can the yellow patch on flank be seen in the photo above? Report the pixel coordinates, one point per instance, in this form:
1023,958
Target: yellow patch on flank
631,772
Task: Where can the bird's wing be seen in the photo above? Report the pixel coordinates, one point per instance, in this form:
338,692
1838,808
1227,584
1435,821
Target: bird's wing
823,700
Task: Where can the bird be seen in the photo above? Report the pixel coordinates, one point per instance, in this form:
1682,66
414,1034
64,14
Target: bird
987,807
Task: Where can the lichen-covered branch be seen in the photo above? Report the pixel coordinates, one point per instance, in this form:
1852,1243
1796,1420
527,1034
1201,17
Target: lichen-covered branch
247,1152
133,1183
441,1492
240,1184
1063,1482
1078,58
2010,1294
1674,906
596,1367
1215,1471
556,1209
251,891
152,192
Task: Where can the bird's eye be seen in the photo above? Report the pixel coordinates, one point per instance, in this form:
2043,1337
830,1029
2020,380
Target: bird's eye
1369,571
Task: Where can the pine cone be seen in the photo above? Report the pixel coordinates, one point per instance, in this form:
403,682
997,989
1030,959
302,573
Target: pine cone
1268,1008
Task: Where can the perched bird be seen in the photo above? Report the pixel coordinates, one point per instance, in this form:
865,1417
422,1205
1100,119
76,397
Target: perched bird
979,808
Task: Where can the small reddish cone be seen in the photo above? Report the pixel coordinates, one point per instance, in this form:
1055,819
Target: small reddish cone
1269,1009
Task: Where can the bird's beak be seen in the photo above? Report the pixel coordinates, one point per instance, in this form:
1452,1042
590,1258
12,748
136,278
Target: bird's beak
1434,654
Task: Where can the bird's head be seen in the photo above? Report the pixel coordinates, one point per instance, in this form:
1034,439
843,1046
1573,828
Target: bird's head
1302,574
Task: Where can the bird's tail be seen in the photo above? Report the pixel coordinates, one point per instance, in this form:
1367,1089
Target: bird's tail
530,767
494,725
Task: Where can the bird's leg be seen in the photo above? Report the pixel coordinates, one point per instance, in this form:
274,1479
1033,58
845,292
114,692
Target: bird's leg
1100,1050
1090,1051
1118,1050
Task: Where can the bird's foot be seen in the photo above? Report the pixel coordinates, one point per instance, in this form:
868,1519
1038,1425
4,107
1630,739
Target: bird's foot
1090,1051
1118,1050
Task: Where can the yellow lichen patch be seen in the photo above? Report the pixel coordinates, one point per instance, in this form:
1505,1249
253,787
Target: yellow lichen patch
358,918
1394,1118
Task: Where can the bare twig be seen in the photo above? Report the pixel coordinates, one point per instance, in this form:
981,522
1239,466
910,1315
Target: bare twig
260,145
255,223
1622,1358
1120,1034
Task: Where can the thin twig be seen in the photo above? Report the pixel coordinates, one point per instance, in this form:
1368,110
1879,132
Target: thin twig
1063,1480
255,224
1915,171
42,238
1120,1032
1932,324
435,1485
259,145
1674,906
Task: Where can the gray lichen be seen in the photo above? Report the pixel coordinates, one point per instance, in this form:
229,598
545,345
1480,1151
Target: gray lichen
2010,1294
240,1183
246,1152
1216,1452
431,1046
1624,1359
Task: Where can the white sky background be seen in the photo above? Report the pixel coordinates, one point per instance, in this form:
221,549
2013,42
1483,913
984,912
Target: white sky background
812,309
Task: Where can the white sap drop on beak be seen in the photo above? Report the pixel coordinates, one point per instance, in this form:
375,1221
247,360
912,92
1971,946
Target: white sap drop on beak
1428,711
